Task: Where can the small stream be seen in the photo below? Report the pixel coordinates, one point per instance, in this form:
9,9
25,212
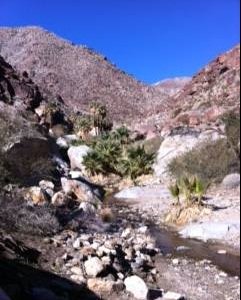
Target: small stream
172,244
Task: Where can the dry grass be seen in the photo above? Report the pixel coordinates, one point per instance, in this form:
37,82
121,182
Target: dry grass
107,215
179,215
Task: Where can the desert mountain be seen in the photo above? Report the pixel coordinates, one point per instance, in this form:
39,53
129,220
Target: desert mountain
212,92
172,86
76,73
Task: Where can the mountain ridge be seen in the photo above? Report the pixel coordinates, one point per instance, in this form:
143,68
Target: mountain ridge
77,73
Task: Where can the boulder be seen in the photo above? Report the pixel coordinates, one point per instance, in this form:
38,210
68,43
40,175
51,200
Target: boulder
29,159
137,287
36,195
93,267
177,144
210,230
76,156
83,190
231,181
101,287
59,199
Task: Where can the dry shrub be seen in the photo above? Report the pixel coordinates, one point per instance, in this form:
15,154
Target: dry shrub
211,162
183,215
107,215
17,216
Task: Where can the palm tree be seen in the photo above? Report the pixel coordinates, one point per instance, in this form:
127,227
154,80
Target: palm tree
99,114
82,127
122,134
136,163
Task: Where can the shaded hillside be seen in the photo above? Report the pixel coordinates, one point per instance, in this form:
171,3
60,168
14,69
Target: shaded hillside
78,74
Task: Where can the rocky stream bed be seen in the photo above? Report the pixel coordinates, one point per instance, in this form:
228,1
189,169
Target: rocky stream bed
126,259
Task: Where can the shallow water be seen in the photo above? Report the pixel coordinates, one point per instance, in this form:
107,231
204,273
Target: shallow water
173,244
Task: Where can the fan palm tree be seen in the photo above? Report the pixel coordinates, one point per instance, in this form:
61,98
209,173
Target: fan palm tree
99,114
82,127
122,134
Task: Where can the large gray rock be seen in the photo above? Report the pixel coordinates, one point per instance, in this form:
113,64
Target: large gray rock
176,145
83,190
137,287
231,181
210,230
76,156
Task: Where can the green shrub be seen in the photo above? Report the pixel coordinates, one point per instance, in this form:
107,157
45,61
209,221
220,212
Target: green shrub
136,162
191,188
121,135
232,131
109,156
211,162
104,158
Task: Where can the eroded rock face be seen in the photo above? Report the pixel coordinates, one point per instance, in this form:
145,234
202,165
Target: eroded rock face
29,158
178,144
15,87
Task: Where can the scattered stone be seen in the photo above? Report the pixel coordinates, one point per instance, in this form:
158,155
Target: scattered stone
173,296
77,271
222,252
176,262
101,286
93,266
137,287
36,195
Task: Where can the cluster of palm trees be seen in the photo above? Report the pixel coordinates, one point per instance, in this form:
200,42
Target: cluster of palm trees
115,153
97,120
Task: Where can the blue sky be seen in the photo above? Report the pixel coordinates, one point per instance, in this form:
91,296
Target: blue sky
150,39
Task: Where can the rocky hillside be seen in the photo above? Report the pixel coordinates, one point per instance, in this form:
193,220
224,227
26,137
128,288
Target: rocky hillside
78,74
212,92
217,86
173,85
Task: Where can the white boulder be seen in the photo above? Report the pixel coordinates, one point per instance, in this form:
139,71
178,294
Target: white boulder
76,156
93,267
137,287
